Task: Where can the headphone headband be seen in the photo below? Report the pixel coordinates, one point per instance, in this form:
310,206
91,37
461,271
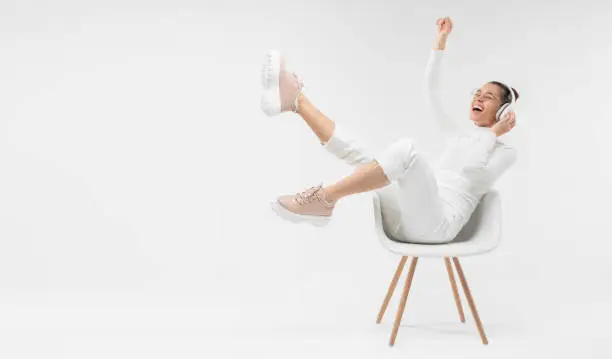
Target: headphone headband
506,107
512,96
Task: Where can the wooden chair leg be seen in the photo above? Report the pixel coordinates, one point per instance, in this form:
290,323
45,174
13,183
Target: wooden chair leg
470,300
453,283
391,290
402,306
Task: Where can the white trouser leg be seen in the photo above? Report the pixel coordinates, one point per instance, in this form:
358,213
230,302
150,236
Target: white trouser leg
348,147
421,211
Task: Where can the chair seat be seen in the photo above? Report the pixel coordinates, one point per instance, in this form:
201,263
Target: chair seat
480,235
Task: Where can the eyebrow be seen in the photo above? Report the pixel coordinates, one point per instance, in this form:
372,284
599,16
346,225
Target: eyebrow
487,93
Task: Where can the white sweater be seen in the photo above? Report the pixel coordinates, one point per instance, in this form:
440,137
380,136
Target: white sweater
472,160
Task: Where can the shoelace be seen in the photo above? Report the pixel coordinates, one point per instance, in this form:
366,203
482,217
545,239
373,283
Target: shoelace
296,104
307,196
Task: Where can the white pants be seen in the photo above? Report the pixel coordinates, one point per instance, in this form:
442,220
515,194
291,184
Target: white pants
413,210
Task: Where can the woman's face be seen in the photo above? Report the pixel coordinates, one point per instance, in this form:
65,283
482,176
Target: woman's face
485,103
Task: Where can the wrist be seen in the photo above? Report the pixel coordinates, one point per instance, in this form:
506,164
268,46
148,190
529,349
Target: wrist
440,43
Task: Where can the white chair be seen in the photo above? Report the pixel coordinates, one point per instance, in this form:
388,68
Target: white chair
480,235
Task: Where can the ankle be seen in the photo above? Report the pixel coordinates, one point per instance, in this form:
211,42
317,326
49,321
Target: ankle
330,196
299,100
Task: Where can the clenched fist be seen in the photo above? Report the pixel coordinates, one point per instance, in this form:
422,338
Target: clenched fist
445,26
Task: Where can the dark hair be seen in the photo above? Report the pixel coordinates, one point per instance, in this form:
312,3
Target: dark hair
507,97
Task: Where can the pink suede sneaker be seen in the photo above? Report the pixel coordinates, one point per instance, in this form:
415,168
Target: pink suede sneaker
281,88
307,206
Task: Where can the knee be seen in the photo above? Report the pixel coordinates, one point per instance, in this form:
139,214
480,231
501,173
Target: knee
404,151
397,158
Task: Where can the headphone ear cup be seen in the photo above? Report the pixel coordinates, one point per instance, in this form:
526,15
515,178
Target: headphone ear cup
500,112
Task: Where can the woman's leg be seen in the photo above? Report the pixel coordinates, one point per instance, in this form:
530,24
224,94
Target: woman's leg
283,93
422,213
366,178
320,124
316,204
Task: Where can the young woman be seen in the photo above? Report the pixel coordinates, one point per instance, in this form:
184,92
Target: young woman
433,205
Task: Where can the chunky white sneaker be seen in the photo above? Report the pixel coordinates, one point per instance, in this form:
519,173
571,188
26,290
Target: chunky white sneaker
308,206
281,88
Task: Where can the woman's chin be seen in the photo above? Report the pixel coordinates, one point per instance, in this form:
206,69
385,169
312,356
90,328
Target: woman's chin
481,123
478,120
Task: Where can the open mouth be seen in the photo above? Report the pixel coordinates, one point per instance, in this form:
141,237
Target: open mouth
477,108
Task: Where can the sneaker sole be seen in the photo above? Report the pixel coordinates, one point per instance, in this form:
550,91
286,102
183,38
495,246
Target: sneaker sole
287,215
270,77
270,71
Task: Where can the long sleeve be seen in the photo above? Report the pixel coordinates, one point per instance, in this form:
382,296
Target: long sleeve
500,160
477,153
482,146
432,91
347,147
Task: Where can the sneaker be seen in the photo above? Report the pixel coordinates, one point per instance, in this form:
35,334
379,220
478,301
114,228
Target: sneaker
281,88
307,206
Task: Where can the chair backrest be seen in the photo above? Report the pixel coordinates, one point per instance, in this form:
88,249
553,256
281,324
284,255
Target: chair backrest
485,219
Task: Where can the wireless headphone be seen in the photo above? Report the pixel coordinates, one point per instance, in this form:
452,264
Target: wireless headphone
506,108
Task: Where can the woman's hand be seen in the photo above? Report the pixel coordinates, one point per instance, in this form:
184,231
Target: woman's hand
445,26
504,125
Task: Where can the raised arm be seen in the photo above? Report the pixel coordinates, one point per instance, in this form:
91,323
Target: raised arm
432,78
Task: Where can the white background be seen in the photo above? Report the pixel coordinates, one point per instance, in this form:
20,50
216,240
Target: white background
136,170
